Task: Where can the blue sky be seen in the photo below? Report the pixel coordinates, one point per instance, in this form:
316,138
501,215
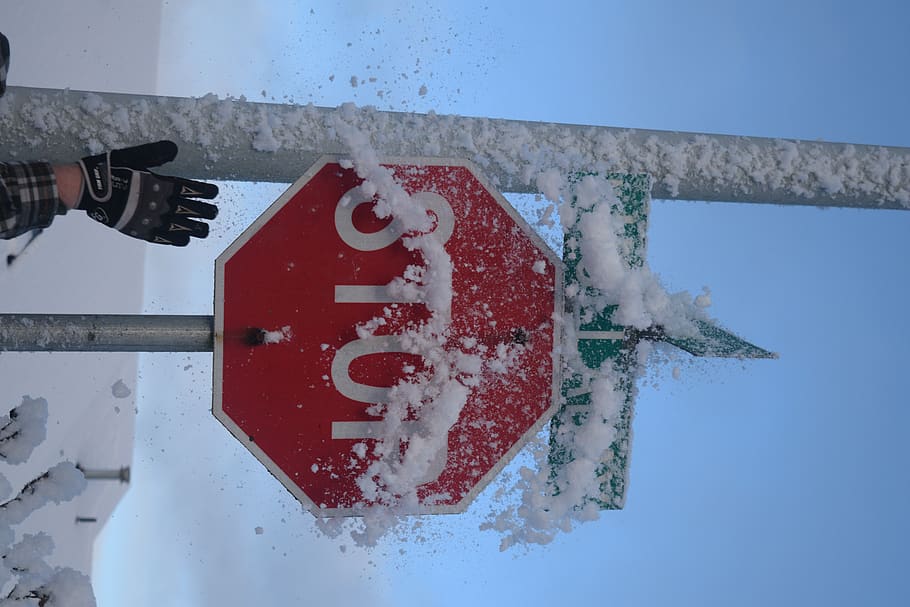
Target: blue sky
770,482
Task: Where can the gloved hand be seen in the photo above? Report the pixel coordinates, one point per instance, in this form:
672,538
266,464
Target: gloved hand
120,192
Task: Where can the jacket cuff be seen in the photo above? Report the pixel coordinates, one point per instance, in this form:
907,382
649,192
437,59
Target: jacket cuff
36,188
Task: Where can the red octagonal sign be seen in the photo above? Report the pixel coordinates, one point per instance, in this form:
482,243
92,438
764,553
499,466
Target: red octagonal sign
314,270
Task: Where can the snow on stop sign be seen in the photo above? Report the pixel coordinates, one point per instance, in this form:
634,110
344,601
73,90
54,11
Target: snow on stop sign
315,267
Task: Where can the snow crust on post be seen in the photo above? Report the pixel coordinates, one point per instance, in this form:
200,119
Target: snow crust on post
234,139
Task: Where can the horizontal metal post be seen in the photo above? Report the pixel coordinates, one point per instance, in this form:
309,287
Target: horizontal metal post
118,474
105,333
230,139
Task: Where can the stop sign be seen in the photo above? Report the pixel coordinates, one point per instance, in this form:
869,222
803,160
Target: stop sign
296,376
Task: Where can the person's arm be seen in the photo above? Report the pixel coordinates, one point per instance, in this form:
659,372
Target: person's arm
69,184
115,188
28,190
29,198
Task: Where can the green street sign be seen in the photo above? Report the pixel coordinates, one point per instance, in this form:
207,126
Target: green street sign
608,350
715,341
600,341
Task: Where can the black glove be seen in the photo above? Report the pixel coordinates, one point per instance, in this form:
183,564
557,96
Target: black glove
120,192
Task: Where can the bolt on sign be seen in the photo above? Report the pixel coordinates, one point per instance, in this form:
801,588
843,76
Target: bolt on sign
297,379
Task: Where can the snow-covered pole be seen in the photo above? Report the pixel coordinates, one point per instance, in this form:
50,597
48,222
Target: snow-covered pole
234,139
106,333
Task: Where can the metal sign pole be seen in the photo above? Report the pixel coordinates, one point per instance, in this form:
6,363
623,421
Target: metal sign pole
105,333
234,139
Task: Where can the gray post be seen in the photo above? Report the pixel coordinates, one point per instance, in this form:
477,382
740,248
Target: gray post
105,333
121,474
239,140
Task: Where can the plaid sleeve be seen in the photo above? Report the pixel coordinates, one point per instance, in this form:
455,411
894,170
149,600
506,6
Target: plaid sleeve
28,197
